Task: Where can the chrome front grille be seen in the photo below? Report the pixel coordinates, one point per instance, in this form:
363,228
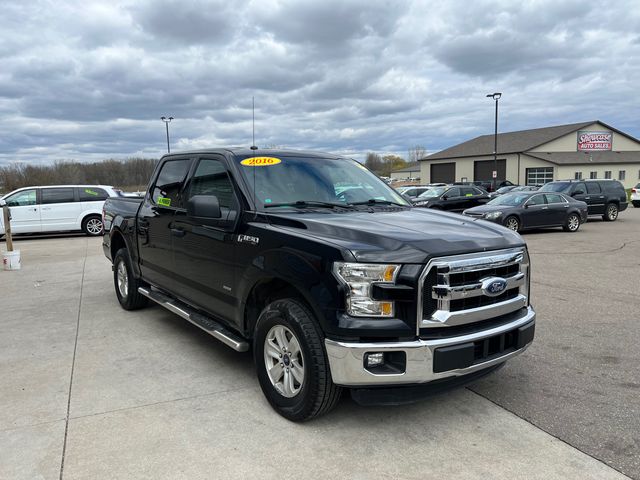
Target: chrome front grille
454,290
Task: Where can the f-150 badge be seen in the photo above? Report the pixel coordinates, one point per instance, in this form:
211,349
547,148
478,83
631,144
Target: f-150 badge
248,239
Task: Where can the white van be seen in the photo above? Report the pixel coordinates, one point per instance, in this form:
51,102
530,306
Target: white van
57,208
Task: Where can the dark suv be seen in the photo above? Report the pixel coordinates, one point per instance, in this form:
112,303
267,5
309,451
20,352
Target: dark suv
603,197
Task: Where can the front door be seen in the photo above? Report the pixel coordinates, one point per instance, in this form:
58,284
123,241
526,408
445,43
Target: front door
155,235
535,213
205,248
25,211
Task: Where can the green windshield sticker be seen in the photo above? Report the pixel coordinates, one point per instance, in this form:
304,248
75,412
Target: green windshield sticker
88,191
164,201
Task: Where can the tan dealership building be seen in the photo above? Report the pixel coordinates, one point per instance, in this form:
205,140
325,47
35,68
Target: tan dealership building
531,157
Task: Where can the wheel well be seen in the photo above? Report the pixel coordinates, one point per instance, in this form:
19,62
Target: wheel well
262,294
87,217
117,242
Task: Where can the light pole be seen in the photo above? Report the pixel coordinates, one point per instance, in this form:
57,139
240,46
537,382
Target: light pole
496,96
167,121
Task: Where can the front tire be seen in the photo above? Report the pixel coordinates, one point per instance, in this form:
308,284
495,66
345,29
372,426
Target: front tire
125,282
291,362
572,224
610,213
93,226
636,203
512,223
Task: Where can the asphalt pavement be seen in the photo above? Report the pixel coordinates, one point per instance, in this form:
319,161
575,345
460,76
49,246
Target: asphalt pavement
91,391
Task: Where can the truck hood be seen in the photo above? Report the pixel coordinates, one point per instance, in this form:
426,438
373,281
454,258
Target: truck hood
406,236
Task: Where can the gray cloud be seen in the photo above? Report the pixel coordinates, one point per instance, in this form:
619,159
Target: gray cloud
89,80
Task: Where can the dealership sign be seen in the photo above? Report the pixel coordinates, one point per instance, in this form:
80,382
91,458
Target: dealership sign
589,141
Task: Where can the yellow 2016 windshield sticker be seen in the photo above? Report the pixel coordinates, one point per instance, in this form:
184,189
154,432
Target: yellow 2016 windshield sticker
165,202
260,161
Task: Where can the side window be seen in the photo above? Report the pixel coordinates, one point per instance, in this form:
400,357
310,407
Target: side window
21,199
57,195
580,186
466,192
553,198
536,200
453,192
166,191
477,191
89,194
593,187
211,178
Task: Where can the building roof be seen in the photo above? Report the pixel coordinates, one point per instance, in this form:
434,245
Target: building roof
587,158
414,167
513,142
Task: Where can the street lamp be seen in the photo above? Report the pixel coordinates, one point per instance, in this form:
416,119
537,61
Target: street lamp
496,96
167,121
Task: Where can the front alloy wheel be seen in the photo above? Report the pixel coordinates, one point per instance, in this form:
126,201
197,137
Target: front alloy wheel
512,224
284,361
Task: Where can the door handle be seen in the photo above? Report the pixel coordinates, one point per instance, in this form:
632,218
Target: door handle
587,198
544,208
178,232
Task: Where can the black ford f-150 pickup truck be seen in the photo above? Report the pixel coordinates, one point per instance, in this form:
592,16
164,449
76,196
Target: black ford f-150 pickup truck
328,274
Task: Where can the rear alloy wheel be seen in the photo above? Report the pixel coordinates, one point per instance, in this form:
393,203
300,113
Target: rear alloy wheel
572,224
512,223
92,226
610,213
126,283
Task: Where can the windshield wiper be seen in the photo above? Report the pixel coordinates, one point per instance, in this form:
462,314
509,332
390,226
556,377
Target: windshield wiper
376,201
306,204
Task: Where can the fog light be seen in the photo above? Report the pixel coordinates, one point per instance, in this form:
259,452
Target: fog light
374,359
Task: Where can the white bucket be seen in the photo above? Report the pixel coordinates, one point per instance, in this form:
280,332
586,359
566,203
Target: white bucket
11,260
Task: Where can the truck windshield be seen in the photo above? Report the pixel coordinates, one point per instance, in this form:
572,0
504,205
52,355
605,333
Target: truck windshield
314,182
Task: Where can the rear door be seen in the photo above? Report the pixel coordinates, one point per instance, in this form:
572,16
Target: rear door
557,209
595,198
25,211
205,248
60,209
155,222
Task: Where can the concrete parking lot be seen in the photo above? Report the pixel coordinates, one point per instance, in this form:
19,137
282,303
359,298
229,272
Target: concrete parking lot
91,391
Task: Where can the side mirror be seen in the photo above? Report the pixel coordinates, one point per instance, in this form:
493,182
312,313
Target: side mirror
577,192
204,206
2,203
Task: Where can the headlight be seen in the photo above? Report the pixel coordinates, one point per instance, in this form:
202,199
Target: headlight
360,277
493,215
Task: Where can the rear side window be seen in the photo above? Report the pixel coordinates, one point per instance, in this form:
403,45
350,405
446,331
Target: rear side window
89,194
166,192
57,195
467,192
211,178
554,198
593,187
613,186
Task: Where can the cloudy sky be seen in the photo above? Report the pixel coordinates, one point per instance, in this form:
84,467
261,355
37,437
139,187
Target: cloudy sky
88,80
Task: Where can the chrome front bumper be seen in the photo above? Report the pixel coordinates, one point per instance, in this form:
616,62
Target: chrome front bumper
346,359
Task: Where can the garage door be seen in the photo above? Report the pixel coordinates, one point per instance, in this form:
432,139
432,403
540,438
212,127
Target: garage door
483,170
443,172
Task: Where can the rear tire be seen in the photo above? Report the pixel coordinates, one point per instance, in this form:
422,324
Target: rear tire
92,226
572,224
610,212
512,223
291,362
126,283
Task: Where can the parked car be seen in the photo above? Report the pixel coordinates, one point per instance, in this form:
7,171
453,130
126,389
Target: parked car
635,196
523,210
330,290
452,198
412,191
502,191
526,188
603,197
58,208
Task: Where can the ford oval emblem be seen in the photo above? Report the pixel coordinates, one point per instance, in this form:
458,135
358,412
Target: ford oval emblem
494,286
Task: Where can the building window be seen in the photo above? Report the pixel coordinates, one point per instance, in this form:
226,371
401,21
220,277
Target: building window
622,174
578,176
539,176
607,174
593,175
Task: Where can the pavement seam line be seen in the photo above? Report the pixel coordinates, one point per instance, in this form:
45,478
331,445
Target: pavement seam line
549,433
123,409
73,362
31,425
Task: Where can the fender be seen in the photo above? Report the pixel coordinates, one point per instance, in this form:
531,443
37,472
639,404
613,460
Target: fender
124,229
309,274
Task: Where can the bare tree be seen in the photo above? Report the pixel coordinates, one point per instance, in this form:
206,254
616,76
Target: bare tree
416,153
